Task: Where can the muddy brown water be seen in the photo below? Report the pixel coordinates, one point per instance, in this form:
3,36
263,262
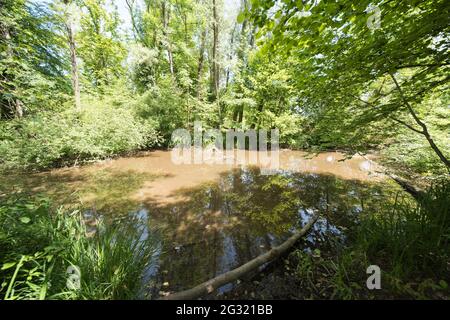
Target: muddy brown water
208,219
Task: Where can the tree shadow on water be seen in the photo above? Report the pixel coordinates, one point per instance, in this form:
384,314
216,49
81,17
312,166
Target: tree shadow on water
221,225
105,190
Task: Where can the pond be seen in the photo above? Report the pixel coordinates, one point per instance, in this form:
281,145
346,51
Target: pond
209,219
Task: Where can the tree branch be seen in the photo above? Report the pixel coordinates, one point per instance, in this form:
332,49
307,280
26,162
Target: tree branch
406,125
421,124
423,65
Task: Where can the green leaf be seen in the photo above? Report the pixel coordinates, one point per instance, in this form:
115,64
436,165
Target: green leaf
322,27
241,17
25,220
8,265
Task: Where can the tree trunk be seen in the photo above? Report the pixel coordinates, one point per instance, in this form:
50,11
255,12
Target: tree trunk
215,68
136,33
230,55
258,116
243,40
412,190
185,27
166,20
201,61
424,130
17,106
73,60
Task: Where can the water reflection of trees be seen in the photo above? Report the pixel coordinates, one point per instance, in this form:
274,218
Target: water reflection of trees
227,223
103,190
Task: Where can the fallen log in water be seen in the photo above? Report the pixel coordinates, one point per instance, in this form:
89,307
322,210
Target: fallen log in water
233,275
412,190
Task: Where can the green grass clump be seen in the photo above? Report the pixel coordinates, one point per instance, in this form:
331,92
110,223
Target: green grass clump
408,241
37,246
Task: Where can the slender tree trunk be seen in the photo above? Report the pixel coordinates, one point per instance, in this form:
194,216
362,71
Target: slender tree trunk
243,43
136,33
230,55
257,122
18,108
252,38
424,130
130,4
201,61
235,114
166,20
169,49
17,105
215,68
185,27
73,60
241,114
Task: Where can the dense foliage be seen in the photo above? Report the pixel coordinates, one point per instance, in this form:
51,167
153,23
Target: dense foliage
361,64
329,75
51,139
409,241
82,80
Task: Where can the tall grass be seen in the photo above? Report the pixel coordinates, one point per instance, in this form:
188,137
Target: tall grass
408,240
37,247
414,237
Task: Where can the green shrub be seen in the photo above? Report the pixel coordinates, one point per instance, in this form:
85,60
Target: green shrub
165,106
47,139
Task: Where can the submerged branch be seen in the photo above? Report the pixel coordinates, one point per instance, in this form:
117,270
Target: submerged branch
412,190
232,275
